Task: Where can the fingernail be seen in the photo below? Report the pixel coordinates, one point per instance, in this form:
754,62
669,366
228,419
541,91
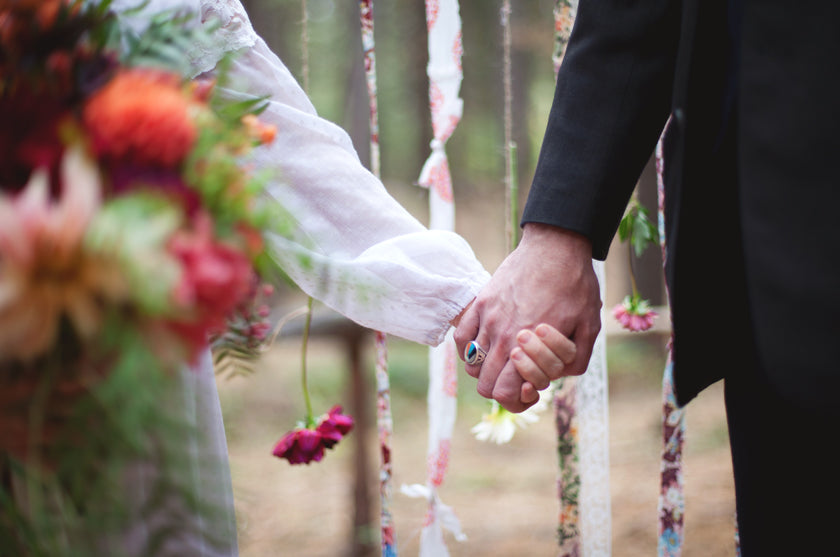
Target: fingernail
516,354
524,336
541,330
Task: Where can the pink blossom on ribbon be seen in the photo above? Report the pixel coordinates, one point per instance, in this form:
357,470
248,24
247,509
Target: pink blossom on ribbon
635,314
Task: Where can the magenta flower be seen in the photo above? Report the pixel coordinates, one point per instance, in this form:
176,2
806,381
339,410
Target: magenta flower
303,444
334,426
634,314
300,446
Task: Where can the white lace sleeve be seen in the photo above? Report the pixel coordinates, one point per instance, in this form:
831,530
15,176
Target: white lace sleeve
355,248
234,34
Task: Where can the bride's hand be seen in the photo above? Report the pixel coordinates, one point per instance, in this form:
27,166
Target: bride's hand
540,357
457,318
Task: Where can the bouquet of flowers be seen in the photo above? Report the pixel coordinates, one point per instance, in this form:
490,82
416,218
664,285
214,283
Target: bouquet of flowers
125,205
130,234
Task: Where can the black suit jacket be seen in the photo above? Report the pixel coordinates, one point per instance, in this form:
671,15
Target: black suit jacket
752,174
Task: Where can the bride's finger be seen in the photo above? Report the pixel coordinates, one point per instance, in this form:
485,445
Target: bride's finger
548,349
467,329
557,342
529,394
528,369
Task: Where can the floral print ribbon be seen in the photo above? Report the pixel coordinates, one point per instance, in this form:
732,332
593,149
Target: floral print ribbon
384,421
565,396
671,485
568,480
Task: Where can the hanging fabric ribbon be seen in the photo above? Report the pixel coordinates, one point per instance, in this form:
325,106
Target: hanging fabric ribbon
565,395
671,506
384,420
581,413
443,22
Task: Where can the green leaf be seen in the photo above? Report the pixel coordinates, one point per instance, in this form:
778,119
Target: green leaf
626,225
643,233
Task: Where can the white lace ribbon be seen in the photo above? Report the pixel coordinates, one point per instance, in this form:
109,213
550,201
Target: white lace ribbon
594,447
444,70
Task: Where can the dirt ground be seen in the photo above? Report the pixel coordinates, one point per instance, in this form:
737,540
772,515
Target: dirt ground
503,495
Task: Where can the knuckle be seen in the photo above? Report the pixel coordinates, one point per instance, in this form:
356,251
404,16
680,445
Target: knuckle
506,397
541,383
460,337
481,304
556,371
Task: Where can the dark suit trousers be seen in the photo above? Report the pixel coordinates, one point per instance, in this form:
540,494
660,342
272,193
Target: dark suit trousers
786,474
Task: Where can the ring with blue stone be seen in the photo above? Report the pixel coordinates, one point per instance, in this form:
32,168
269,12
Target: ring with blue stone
474,354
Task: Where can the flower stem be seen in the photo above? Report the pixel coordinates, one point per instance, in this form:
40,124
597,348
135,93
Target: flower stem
630,269
310,421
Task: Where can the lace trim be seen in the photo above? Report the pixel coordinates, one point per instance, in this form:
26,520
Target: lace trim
235,33
594,455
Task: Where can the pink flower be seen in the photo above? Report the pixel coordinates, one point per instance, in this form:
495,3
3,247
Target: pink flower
303,445
46,273
635,314
216,277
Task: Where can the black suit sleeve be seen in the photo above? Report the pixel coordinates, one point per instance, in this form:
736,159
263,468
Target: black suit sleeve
611,102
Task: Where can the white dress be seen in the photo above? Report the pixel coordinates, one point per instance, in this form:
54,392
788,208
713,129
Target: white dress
367,257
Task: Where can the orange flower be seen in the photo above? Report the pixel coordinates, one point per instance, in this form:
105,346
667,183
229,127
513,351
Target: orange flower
141,116
261,132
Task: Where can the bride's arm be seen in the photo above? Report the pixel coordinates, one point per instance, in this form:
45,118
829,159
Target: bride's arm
355,248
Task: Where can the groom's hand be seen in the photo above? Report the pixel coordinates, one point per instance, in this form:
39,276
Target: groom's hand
548,278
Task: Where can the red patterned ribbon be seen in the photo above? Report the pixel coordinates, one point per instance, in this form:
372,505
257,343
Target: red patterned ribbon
385,425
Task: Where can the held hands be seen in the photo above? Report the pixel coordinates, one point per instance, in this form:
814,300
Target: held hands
537,318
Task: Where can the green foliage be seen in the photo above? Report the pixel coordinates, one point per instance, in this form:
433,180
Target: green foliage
165,43
83,497
133,229
637,227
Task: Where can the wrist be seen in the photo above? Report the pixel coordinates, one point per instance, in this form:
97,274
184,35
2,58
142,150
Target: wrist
557,238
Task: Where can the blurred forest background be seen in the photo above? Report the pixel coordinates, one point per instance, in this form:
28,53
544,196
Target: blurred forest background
337,87
324,52
504,495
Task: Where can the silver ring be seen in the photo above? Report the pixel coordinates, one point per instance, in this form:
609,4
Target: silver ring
474,354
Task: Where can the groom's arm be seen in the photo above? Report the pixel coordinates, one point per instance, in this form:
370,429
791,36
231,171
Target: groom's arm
611,102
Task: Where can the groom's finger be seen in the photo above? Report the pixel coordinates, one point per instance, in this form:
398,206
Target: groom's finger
584,339
508,390
489,370
473,370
